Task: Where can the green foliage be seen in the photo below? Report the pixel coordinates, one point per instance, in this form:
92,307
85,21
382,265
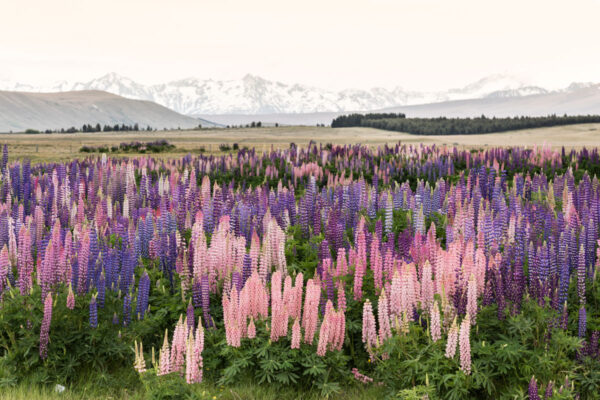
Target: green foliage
505,355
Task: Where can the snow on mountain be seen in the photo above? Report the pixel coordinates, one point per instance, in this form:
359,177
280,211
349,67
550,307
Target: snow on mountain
255,95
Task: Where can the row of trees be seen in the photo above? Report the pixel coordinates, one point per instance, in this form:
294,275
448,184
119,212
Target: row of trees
94,128
344,121
457,126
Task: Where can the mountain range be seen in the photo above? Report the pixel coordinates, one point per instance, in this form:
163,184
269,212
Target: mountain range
253,95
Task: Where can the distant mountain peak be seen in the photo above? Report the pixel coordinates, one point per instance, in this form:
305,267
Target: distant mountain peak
253,94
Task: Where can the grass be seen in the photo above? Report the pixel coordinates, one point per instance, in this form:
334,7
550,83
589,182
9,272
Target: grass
62,147
250,391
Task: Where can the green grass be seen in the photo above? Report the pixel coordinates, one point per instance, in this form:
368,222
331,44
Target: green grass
26,391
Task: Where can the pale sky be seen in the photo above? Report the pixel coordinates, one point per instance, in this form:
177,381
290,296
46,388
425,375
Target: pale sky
417,44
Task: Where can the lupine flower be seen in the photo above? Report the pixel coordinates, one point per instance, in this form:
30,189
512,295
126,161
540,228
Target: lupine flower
251,329
452,340
360,377
164,364
533,389
465,345
369,332
140,363
296,335
436,332
45,329
384,318
93,313
70,299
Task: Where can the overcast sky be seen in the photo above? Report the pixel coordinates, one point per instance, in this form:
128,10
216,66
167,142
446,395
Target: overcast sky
417,44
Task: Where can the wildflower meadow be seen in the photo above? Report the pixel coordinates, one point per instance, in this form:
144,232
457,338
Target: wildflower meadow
407,271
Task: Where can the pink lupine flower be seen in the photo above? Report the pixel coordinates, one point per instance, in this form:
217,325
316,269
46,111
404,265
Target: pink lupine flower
436,331
465,345
341,296
341,264
178,347
45,329
193,373
452,340
323,338
70,298
472,299
232,318
369,332
251,329
426,287
311,310
296,335
360,377
384,318
199,343
164,360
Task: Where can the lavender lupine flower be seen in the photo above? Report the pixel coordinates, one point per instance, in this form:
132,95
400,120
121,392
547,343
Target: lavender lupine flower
45,330
93,313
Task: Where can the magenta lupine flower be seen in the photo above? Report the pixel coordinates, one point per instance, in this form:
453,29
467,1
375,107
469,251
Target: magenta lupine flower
452,340
296,335
465,345
436,326
45,329
4,267
369,331
83,257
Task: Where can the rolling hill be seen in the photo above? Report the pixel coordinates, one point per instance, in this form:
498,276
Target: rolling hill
22,110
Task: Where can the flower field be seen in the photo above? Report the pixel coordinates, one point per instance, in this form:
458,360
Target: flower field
420,272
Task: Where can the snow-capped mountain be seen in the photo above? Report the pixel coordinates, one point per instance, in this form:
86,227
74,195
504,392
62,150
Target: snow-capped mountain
255,95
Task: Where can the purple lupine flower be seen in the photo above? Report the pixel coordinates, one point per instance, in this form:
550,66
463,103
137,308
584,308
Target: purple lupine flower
582,321
143,293
581,275
191,319
127,309
206,301
93,313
